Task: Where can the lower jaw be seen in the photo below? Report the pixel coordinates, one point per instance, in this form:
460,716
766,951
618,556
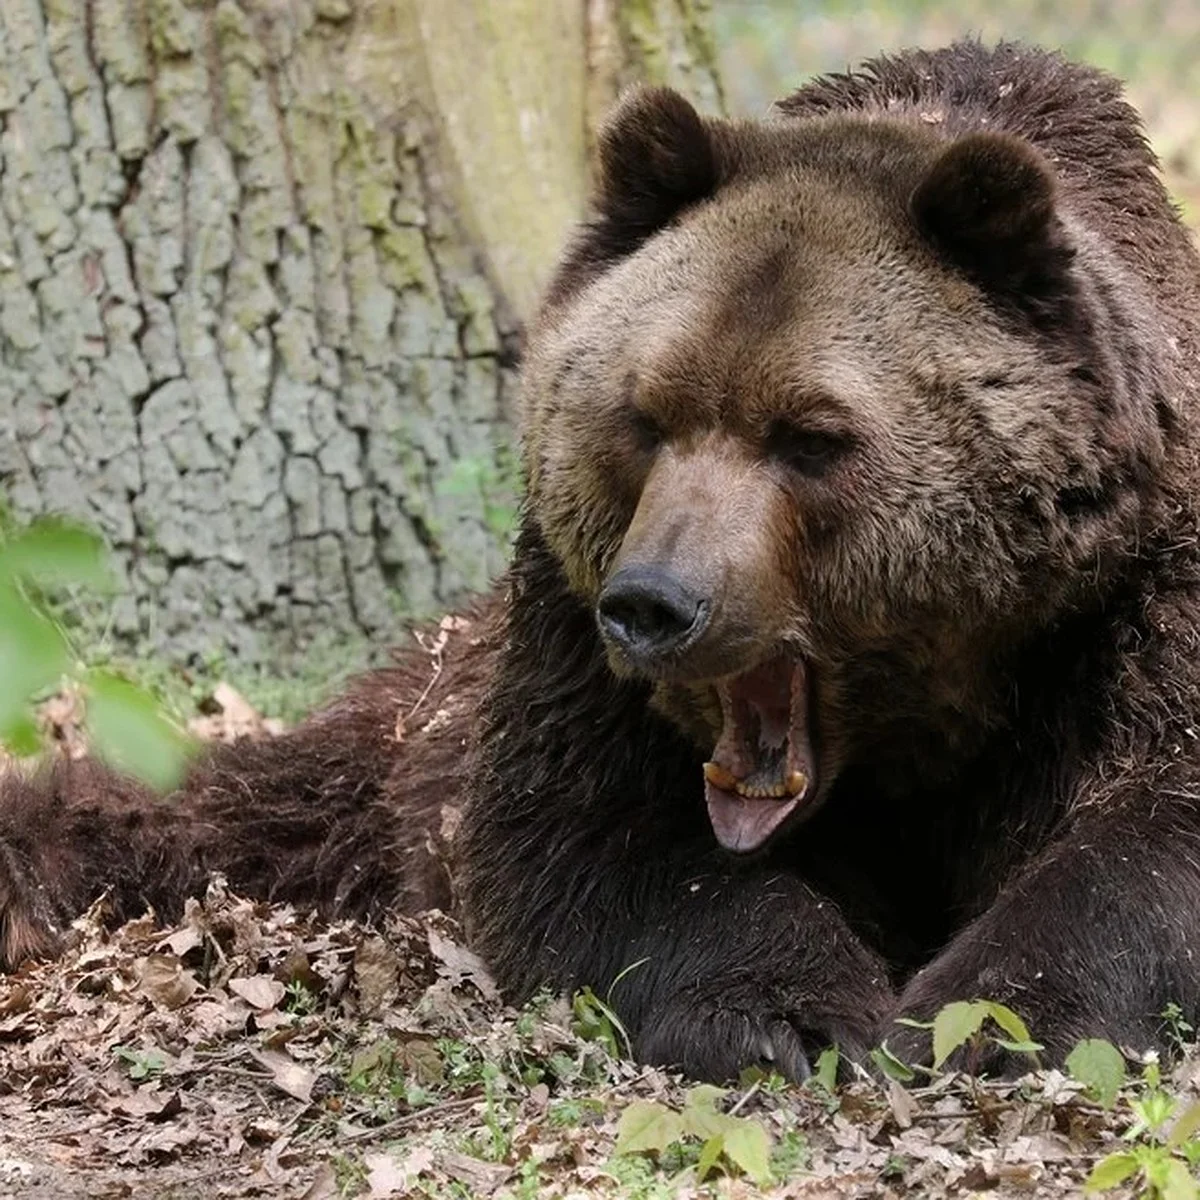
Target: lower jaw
743,825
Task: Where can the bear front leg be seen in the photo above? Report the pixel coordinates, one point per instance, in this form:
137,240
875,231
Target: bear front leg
1093,940
750,970
711,970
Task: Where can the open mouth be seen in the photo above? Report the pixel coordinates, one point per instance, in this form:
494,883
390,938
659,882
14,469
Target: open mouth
763,766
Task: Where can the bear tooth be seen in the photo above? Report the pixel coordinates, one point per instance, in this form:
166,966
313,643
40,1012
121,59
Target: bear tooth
796,783
721,778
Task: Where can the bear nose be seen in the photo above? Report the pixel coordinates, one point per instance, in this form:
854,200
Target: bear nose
649,612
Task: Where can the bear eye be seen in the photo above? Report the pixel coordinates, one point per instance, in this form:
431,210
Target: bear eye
808,451
647,431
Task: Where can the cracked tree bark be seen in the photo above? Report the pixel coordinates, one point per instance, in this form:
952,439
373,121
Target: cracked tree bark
262,269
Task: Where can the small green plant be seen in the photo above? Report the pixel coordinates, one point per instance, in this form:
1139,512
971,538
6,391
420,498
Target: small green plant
891,1066
493,1143
595,1021
140,1064
1159,1160
463,1065
299,999
725,1139
972,1024
124,723
385,1072
790,1154
825,1076
572,1112
1178,1029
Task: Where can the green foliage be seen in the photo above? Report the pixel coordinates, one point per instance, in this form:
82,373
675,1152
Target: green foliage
725,1140
791,1153
128,728
1100,1067
891,1066
827,1069
141,1064
1160,1160
965,1023
124,723
595,1021
299,1000
1179,1030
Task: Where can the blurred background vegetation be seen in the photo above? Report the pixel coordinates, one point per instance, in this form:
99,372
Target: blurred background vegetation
768,47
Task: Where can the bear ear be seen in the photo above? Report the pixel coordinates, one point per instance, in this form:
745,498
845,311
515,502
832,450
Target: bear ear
656,156
988,203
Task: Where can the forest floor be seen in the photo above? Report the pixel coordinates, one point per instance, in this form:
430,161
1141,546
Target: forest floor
254,1051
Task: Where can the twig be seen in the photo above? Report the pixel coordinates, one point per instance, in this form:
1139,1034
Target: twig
409,1120
737,1108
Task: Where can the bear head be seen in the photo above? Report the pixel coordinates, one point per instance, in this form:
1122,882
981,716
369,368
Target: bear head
827,418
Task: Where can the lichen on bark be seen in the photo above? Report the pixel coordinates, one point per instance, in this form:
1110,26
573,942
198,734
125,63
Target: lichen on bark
262,267
238,330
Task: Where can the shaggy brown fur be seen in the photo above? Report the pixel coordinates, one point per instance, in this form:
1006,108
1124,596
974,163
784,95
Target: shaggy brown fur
860,451
344,813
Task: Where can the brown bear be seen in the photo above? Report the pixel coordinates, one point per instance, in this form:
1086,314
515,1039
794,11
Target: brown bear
848,663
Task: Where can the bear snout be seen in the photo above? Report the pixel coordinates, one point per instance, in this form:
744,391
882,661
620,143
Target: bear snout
647,613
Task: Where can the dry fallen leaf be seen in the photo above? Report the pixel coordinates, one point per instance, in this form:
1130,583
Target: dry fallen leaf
165,981
461,964
901,1104
389,1175
483,1178
376,974
61,718
287,1074
324,1185
147,1102
259,991
230,717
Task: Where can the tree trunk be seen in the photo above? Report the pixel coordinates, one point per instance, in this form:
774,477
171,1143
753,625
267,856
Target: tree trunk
262,269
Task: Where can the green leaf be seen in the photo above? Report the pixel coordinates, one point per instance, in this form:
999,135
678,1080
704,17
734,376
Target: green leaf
700,1117
1177,1183
955,1025
709,1153
1111,1171
1009,1022
827,1069
1020,1047
1100,1067
705,1096
748,1147
23,738
595,1021
891,1066
53,551
129,730
33,656
646,1125
1188,1123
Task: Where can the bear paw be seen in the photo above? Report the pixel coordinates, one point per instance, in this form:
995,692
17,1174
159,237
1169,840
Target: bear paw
717,1042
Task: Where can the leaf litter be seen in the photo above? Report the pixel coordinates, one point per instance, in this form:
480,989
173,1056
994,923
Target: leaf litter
252,1050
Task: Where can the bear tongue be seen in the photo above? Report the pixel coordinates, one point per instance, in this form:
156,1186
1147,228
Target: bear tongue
762,766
